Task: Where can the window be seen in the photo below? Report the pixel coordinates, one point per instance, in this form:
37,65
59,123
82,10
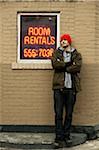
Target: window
38,36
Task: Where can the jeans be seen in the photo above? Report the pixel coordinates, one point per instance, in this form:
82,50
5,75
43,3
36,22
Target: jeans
63,98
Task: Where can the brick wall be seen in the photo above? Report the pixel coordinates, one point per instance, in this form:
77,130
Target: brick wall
0,63
27,97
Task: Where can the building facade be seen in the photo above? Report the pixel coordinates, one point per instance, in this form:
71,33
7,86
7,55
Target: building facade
26,95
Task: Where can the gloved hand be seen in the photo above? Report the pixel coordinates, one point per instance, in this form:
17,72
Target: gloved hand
67,64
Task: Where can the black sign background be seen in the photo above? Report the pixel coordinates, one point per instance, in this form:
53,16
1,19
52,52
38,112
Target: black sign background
27,21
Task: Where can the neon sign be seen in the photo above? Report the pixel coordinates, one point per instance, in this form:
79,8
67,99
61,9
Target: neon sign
38,36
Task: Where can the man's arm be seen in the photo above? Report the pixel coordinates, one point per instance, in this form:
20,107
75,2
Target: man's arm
76,65
57,63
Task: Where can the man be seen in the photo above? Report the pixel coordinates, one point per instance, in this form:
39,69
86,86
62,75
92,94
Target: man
66,62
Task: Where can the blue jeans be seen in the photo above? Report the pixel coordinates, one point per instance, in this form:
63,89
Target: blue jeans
63,98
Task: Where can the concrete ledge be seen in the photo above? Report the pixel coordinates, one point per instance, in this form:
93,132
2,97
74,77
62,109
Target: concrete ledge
92,132
28,128
36,140
31,66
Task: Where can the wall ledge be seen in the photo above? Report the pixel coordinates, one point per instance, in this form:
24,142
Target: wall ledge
43,0
92,131
31,66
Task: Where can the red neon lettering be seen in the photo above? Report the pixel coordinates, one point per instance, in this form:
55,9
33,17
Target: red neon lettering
26,40
47,31
44,40
39,31
52,40
30,31
32,53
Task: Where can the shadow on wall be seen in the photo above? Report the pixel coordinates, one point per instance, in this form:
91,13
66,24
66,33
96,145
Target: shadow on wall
86,108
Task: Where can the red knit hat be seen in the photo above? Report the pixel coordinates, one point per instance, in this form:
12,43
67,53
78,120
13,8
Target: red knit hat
66,37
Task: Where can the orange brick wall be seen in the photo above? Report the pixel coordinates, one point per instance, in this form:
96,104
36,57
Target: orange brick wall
26,96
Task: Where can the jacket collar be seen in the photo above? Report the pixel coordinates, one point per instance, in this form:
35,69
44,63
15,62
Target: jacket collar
72,49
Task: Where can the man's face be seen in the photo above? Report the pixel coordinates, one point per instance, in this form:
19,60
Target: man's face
64,44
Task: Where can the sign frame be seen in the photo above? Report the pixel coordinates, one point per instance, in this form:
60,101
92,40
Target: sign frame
57,14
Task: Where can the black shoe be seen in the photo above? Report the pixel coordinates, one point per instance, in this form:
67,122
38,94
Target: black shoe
59,144
68,141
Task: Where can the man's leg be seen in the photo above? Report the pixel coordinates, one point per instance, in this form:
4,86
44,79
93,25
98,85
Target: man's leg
69,105
58,108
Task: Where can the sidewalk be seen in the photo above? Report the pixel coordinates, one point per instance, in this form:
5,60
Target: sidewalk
31,141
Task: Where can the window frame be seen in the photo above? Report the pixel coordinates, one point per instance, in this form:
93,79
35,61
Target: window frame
37,61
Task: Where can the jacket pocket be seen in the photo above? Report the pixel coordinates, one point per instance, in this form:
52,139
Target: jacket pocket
58,79
77,82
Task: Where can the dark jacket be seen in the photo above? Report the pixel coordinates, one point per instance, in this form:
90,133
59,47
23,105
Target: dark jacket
60,67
